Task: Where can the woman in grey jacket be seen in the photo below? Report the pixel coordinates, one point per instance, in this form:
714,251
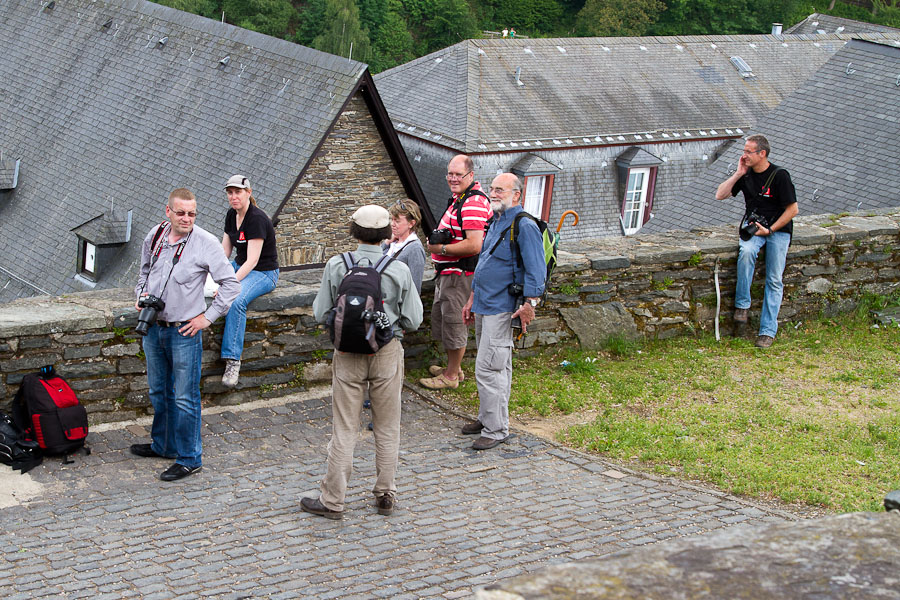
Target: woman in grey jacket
404,243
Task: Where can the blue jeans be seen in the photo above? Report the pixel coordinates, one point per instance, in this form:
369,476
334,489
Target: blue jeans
776,254
254,285
173,374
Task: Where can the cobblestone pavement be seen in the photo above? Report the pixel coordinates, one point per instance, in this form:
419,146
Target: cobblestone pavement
106,527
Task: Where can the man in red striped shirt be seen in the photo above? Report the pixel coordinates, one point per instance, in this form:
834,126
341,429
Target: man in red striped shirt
464,221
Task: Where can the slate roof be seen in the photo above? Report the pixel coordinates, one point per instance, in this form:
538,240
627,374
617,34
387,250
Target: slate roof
819,23
103,116
597,91
838,135
112,227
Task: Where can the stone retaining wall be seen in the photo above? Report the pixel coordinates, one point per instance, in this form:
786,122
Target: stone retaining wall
657,286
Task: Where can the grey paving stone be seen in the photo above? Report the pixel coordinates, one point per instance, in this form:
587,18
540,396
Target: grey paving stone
235,530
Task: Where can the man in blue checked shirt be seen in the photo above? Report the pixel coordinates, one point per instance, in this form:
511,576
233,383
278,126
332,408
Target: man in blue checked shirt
507,287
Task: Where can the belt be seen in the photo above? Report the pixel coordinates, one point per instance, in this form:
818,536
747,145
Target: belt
162,323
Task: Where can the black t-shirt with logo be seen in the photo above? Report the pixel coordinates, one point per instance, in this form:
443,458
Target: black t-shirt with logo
256,225
770,202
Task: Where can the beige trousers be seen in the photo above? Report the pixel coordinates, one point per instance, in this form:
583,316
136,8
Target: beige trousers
382,373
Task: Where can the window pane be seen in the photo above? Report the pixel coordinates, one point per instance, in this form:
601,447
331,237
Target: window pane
89,256
534,195
635,196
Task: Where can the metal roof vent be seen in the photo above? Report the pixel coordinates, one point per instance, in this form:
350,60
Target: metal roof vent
162,41
108,24
776,28
50,6
224,62
519,76
743,68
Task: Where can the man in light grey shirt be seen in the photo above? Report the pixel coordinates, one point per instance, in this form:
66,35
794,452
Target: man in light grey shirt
175,258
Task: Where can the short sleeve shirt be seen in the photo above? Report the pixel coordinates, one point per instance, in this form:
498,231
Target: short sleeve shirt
475,213
769,202
256,225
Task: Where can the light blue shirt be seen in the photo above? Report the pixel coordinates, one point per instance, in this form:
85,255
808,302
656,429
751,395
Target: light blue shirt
495,272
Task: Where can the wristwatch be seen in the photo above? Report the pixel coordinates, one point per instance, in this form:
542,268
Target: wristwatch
534,302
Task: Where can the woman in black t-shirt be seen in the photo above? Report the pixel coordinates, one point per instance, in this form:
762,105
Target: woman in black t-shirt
249,232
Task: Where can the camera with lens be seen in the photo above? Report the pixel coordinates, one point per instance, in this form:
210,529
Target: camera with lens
150,307
515,289
752,224
440,236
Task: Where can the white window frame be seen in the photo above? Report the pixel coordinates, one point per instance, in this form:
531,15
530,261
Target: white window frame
535,188
89,258
635,200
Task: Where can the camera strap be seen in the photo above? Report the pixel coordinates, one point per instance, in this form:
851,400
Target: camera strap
179,250
748,184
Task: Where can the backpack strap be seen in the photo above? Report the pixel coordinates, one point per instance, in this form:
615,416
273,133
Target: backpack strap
349,261
383,263
457,206
514,235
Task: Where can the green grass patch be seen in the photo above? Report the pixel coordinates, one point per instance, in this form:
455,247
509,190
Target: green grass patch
815,419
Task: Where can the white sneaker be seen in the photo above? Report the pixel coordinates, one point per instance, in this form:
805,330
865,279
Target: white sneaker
232,372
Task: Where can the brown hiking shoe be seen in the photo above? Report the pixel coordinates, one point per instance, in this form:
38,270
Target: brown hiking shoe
472,428
764,341
741,315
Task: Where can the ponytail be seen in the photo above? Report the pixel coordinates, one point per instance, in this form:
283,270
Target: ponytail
253,201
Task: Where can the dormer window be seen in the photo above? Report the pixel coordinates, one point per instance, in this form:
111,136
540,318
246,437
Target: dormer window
9,174
99,242
537,175
636,173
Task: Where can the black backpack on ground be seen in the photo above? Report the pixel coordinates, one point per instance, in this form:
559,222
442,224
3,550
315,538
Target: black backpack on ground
358,323
15,451
48,412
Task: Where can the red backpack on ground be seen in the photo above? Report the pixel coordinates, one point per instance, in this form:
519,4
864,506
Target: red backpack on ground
47,411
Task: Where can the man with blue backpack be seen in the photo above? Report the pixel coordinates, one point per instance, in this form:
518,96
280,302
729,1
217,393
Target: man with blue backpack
367,301
506,289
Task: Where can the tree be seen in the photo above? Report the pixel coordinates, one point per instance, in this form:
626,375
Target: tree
271,17
531,16
450,22
343,33
205,8
618,17
393,43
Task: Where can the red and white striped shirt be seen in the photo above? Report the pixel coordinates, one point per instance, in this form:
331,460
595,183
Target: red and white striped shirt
476,211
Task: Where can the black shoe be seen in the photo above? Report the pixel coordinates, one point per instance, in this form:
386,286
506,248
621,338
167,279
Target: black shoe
485,443
145,451
385,504
177,471
472,428
315,507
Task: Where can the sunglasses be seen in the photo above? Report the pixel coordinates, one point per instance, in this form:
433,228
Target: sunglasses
181,213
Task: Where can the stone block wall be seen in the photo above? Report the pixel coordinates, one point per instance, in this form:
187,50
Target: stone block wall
651,286
351,168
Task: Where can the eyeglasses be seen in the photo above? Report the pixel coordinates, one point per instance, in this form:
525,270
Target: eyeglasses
454,176
499,190
181,213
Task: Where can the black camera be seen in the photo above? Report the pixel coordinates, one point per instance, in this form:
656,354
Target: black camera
440,236
150,307
752,224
